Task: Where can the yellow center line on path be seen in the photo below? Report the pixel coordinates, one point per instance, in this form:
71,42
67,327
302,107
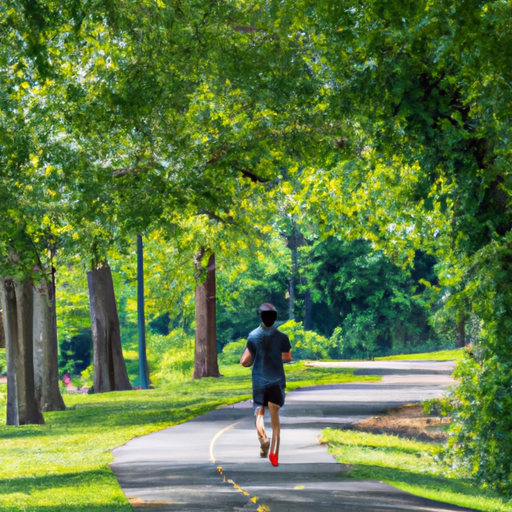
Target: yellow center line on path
254,499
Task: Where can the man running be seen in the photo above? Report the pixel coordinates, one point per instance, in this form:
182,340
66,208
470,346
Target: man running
267,350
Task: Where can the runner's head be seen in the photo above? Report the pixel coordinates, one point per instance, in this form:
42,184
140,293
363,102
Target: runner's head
268,314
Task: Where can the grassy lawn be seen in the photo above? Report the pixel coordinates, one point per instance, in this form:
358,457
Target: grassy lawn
442,355
408,465
63,465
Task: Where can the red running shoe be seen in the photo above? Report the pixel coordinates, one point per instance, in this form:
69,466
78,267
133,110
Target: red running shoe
273,459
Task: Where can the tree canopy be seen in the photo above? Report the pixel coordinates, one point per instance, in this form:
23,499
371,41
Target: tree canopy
215,124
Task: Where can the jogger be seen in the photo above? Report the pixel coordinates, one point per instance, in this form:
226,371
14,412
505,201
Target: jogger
267,350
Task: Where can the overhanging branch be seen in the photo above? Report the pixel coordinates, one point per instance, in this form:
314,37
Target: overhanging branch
124,171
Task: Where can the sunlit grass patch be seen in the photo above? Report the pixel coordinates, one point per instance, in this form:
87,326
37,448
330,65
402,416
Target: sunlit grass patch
299,374
409,465
63,465
441,355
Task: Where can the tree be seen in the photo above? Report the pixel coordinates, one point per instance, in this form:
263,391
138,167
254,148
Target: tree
45,339
109,366
17,302
421,98
2,333
379,306
206,317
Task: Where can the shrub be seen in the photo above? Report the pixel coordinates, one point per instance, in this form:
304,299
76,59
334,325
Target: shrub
232,352
307,344
481,440
171,357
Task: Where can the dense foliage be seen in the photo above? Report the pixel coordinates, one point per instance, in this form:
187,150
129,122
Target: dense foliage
378,305
205,124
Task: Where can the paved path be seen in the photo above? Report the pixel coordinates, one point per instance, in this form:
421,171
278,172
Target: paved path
212,462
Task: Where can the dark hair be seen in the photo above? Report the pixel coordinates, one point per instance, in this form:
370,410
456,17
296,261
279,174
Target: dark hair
266,306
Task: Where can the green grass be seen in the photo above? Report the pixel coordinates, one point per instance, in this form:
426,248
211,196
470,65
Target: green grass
408,465
63,465
442,355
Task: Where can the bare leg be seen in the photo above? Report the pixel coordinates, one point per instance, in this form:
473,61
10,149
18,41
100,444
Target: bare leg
260,429
276,432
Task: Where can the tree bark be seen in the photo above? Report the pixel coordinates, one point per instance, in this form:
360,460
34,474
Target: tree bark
46,365
29,411
2,333
8,297
205,363
293,242
141,320
40,327
109,367
291,289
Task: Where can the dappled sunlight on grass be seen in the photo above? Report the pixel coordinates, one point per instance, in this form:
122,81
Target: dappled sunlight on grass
91,491
409,465
48,467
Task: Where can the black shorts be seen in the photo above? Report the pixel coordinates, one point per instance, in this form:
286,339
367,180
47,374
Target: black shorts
274,394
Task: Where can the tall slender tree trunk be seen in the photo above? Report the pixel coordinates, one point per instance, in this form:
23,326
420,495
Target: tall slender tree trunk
18,304
46,368
292,293
293,242
109,367
8,297
28,407
141,321
40,328
2,332
205,364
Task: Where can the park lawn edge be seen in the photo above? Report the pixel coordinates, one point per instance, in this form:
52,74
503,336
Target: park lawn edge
420,472
439,355
46,467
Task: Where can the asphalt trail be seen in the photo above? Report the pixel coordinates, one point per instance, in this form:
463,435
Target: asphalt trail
212,463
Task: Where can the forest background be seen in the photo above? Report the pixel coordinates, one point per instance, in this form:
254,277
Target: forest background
354,156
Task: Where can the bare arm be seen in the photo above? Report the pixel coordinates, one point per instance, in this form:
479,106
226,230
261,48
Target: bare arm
246,359
286,357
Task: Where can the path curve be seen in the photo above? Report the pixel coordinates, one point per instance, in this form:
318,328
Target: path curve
212,463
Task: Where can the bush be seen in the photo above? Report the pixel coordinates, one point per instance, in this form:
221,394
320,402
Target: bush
232,352
309,344
171,357
481,440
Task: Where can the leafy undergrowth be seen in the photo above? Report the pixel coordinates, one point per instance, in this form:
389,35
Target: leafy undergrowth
63,465
411,466
442,355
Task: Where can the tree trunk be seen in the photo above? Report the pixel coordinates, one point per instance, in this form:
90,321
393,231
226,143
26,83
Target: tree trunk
143,360
293,242
205,364
41,312
461,329
29,411
46,369
2,333
109,366
8,297
291,293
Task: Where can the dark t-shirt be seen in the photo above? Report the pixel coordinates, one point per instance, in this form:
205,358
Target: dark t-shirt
266,345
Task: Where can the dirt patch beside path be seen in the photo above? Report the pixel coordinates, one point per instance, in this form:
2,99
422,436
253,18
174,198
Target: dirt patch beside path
408,421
